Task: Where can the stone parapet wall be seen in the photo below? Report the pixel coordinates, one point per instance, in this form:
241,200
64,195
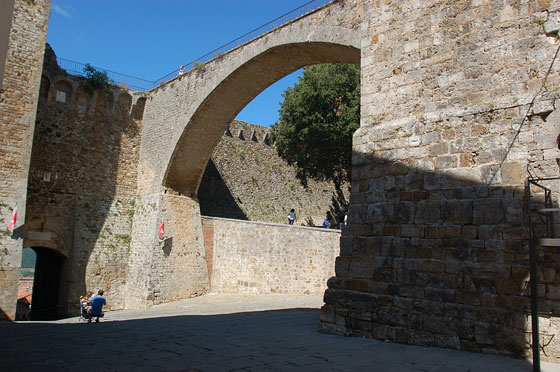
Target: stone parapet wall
18,106
256,257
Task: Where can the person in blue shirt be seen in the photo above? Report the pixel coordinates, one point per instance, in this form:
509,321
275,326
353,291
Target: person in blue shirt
327,223
96,310
292,216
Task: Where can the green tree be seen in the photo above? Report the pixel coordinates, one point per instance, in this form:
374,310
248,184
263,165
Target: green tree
317,119
96,80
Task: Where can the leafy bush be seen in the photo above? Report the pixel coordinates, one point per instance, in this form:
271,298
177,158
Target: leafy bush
96,80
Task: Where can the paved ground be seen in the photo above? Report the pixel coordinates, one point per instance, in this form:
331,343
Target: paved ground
222,333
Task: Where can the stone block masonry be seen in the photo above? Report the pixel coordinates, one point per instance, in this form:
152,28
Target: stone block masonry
82,198
82,184
18,106
458,98
259,258
246,179
457,101
172,269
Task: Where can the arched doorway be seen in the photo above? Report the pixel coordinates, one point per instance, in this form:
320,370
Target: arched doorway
45,303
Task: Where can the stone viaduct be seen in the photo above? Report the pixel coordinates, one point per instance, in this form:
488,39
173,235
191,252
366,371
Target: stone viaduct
183,122
458,99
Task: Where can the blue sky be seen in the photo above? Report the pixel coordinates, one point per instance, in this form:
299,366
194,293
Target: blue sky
149,38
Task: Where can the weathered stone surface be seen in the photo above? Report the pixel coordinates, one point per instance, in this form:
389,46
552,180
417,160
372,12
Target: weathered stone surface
25,40
257,257
246,179
471,150
438,181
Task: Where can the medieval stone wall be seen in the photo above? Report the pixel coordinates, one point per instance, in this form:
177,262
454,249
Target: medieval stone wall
82,183
82,195
186,117
458,98
18,105
256,257
456,102
246,179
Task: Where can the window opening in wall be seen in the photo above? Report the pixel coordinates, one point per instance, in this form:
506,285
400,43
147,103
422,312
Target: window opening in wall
60,96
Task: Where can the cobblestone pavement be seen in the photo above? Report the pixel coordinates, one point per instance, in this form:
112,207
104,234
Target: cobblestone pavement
223,333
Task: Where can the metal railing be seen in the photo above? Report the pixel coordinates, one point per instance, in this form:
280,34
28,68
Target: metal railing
131,82
545,210
280,21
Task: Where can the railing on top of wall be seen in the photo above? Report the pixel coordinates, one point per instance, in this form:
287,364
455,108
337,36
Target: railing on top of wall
131,82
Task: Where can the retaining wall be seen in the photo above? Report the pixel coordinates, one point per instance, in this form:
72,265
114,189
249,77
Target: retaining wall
256,257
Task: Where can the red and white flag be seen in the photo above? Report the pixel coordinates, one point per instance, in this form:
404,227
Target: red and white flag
161,230
13,221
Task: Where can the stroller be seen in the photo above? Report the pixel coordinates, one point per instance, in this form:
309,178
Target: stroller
84,307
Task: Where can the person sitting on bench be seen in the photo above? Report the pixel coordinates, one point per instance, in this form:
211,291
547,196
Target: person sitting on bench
97,303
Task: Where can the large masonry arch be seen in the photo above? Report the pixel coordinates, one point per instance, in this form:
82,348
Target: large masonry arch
185,119
220,107
458,117
187,116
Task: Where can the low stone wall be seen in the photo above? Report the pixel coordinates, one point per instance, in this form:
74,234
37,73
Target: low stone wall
257,257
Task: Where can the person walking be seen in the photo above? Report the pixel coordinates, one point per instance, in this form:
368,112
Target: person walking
292,217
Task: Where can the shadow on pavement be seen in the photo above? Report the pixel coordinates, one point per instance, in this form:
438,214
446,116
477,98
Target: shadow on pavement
280,340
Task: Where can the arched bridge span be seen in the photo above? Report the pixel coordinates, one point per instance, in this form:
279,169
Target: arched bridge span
188,115
184,120
220,107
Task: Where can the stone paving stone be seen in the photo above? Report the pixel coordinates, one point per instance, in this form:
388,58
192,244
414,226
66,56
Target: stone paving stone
277,340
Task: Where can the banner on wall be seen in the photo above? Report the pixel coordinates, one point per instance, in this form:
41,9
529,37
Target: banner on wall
13,221
161,230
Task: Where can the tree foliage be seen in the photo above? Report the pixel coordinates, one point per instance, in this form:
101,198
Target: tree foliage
96,80
317,119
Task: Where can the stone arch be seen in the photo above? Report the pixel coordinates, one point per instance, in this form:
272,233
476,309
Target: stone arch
138,108
47,284
124,102
183,123
38,234
235,91
267,140
62,91
52,259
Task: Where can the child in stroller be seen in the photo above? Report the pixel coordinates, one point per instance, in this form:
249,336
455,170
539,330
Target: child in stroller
85,306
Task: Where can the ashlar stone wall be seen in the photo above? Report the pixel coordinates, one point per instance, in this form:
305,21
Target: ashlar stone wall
260,258
246,179
18,105
458,98
82,184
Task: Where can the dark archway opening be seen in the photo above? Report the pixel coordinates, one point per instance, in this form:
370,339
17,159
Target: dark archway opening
46,285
